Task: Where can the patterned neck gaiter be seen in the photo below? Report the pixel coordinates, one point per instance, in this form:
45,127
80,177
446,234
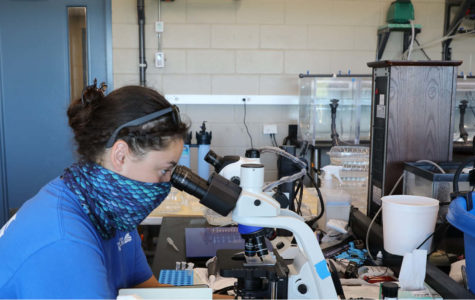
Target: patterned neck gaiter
112,201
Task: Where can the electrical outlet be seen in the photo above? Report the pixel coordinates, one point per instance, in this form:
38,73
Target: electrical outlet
159,60
270,128
159,27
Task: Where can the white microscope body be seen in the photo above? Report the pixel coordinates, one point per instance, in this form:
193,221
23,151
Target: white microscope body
233,170
309,277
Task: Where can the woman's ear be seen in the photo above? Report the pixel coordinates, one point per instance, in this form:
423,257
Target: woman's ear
118,154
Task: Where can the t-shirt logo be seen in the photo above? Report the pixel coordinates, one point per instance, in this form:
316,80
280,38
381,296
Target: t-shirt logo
2,231
124,240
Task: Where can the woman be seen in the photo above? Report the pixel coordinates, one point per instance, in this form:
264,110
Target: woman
77,237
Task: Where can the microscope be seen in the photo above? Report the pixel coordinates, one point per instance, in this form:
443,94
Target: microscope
229,166
260,272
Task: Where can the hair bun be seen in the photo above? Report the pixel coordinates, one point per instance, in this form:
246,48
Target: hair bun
92,93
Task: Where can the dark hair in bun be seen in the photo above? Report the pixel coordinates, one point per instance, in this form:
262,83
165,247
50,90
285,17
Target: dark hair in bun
95,116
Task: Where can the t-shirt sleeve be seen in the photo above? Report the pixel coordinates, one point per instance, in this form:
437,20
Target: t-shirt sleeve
64,269
142,271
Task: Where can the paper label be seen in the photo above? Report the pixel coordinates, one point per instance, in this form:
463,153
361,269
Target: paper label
377,195
380,111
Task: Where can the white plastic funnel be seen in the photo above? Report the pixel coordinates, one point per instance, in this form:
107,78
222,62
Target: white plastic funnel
407,222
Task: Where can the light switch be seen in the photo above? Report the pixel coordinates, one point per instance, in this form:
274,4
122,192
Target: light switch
159,26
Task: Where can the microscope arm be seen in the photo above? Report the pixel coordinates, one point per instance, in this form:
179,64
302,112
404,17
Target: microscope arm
309,271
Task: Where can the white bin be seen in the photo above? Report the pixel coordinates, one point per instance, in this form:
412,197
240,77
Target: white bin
407,222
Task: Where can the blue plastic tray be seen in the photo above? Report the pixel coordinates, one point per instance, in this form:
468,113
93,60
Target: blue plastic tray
176,277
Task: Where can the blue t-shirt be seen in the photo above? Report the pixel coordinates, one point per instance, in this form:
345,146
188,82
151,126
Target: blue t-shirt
50,249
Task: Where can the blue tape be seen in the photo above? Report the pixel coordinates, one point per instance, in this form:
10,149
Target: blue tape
322,269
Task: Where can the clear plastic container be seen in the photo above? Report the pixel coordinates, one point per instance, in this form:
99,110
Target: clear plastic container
195,205
355,158
354,175
355,163
353,112
465,92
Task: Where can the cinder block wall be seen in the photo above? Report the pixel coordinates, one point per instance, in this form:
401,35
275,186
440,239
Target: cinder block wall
258,47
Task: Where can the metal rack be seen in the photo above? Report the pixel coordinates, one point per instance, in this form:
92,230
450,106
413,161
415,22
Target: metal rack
385,31
451,27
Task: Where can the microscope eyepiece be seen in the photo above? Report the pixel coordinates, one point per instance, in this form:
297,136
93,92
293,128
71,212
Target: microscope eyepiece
213,159
185,180
218,193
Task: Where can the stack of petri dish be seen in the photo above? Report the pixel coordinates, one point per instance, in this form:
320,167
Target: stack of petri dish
354,175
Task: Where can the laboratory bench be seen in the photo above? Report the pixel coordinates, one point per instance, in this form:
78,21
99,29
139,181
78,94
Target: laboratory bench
165,256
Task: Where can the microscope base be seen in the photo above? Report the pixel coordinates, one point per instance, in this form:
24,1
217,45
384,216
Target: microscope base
254,282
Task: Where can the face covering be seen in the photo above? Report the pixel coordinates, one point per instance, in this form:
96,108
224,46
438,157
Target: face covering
112,201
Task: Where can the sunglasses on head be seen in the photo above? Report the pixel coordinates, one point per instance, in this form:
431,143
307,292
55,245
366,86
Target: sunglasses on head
172,110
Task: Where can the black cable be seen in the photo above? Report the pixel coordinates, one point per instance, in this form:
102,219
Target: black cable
455,182
427,238
336,280
224,290
443,227
247,129
422,49
275,141
294,193
322,204
271,140
300,200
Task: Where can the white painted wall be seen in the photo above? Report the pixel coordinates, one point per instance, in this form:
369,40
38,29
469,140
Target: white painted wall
258,47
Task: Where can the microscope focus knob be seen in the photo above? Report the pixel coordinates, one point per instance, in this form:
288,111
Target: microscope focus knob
302,288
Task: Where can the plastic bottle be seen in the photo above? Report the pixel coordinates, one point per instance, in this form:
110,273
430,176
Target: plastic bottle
203,139
185,154
329,172
379,259
337,201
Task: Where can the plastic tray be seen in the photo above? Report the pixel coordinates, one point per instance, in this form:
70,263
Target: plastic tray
176,277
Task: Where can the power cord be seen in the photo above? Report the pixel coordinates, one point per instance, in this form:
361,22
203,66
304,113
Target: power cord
247,129
411,46
322,204
444,38
422,49
273,140
299,192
